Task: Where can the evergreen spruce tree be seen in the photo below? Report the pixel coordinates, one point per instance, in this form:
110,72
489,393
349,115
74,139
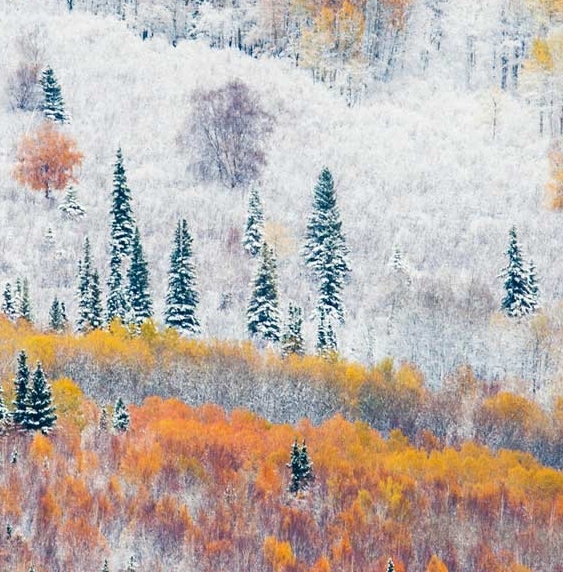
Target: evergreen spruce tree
263,319
18,294
104,420
8,307
533,287
96,308
70,207
106,566
301,468
49,240
84,280
390,566
24,309
519,300
21,385
254,231
138,291
325,249
399,265
292,338
90,310
295,466
182,297
53,104
120,419
326,338
57,316
40,414
116,306
122,221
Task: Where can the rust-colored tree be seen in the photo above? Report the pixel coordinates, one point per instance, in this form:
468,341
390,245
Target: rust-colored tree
46,160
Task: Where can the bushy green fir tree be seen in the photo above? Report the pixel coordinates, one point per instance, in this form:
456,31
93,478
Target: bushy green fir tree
327,345
390,566
138,294
53,104
292,338
121,419
40,414
70,207
21,386
533,286
263,318
116,304
122,221
519,301
182,297
301,468
57,316
105,567
90,310
8,306
24,308
254,231
325,250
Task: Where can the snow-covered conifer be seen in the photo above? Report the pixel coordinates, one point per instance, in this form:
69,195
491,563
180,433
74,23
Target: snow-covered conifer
292,338
70,207
138,294
254,230
182,297
57,316
116,304
53,104
263,318
40,414
21,387
24,307
8,306
121,419
122,221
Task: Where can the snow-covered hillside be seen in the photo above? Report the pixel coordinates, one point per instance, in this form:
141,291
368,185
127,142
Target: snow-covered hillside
425,163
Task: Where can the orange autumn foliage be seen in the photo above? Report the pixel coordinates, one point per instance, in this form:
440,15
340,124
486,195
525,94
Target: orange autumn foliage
46,159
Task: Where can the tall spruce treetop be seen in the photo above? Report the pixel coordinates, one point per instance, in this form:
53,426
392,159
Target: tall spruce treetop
40,415
21,385
263,317
8,307
24,310
324,222
83,294
122,221
254,230
53,104
390,566
121,419
519,299
57,316
182,297
138,289
533,286
116,306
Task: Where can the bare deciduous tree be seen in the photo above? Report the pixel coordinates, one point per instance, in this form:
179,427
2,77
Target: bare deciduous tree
23,82
227,130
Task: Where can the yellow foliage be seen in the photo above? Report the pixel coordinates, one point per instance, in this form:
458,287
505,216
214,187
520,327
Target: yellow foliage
436,565
278,554
541,54
41,449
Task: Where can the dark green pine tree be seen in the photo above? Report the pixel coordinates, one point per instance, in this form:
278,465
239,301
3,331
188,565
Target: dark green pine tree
8,307
254,231
21,385
40,415
292,338
57,316
390,566
307,475
533,287
122,221
182,297
138,291
518,300
96,308
24,309
295,466
121,419
326,338
53,104
325,249
263,318
83,295
116,304
106,566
